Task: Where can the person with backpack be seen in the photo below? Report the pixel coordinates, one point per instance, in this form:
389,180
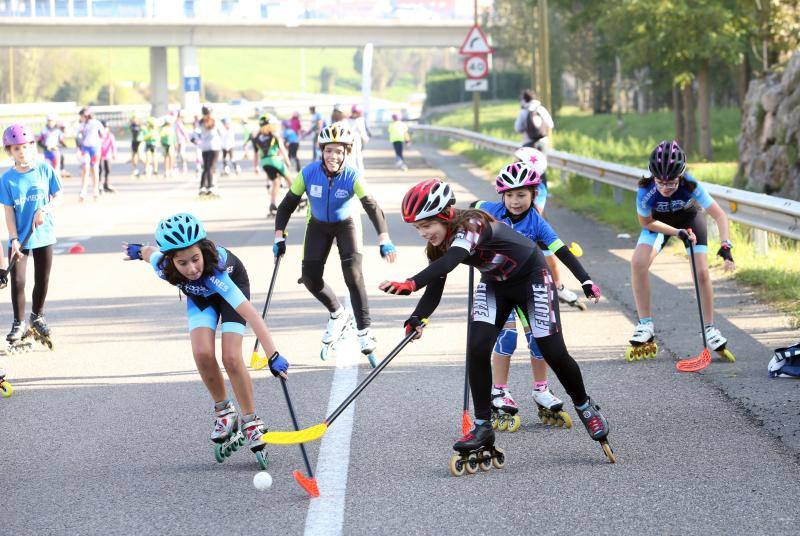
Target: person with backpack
534,122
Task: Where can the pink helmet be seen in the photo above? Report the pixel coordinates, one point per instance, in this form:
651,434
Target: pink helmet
355,109
17,134
516,175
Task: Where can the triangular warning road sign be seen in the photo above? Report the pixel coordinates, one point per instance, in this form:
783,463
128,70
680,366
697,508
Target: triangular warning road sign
476,42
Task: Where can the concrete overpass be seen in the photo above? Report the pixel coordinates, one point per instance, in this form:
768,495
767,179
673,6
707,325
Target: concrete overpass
188,34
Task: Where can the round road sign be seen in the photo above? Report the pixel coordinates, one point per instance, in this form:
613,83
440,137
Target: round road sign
476,66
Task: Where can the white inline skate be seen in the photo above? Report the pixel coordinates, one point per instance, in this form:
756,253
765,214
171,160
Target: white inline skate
565,295
337,329
551,408
227,436
643,344
368,344
18,339
254,428
504,410
718,343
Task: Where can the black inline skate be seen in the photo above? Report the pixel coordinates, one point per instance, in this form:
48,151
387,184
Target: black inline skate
476,450
597,426
18,338
40,331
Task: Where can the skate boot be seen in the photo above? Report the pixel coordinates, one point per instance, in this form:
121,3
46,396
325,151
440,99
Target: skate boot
550,408
335,331
476,450
203,192
254,428
718,343
643,345
227,436
5,388
237,169
273,209
82,196
565,295
40,331
18,339
596,425
368,344
135,172
504,410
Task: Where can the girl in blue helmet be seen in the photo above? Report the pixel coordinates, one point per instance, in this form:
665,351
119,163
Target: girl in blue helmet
218,292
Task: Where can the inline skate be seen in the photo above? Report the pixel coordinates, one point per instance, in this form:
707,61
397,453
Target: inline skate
565,295
550,408
597,426
476,450
254,428
643,344
368,344
227,436
40,331
273,209
718,343
18,340
5,387
504,410
335,332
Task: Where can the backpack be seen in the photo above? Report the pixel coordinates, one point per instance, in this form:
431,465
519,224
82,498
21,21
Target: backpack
534,133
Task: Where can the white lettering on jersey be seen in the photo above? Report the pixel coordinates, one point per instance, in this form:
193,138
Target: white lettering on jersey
315,190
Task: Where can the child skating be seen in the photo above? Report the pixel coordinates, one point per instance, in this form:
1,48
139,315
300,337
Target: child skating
672,203
270,154
217,292
108,153
513,274
29,192
519,184
330,187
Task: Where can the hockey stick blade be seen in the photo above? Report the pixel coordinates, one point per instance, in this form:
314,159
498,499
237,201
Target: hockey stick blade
694,364
312,433
308,484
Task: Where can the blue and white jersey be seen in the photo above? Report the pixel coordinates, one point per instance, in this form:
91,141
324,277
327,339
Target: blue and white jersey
28,192
532,226
687,198
329,197
220,282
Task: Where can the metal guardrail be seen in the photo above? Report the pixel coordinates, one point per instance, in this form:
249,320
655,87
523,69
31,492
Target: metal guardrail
765,212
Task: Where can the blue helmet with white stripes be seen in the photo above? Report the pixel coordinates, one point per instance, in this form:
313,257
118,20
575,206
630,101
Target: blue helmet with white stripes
179,232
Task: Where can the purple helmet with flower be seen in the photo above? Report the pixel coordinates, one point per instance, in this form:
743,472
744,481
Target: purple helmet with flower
517,175
17,134
667,161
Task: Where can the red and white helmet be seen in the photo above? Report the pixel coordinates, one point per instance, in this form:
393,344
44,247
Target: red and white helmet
532,157
516,175
430,198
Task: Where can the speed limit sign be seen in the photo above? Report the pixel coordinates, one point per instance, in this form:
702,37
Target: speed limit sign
476,66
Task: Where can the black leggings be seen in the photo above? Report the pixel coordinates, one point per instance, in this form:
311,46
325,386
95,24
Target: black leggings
42,262
318,242
536,296
398,149
293,155
209,163
105,170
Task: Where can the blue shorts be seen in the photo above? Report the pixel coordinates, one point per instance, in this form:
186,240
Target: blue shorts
210,312
90,153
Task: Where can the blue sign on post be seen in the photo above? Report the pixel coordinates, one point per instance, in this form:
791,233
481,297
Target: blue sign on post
191,83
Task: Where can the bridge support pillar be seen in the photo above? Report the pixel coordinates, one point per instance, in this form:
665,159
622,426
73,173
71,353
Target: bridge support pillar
159,94
190,80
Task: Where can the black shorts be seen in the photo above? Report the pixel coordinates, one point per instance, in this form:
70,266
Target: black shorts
135,146
272,172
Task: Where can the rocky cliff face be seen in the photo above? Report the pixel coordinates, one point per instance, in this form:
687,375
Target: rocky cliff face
769,146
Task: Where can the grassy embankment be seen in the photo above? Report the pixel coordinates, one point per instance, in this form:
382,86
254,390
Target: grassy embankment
775,277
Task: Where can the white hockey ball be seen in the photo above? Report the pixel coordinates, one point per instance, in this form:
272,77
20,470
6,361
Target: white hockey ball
262,481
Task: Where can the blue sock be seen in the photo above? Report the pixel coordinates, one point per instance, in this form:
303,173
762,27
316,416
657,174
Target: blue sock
480,421
583,406
646,320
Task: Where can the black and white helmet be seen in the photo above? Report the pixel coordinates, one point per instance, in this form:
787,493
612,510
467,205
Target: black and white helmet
336,133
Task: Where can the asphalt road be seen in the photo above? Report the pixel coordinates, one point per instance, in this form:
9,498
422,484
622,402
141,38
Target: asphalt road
109,433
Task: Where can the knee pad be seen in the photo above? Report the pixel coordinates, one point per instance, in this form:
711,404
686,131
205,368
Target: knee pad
506,342
536,353
351,269
312,275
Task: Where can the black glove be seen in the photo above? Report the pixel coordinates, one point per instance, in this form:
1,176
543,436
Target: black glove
412,323
3,278
683,234
725,252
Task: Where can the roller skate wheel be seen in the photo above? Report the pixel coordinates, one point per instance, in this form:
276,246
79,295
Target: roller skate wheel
580,305
472,464
219,453
629,354
263,459
502,423
494,422
727,355
514,423
372,361
499,458
325,352
485,463
456,465
5,389
566,419
608,452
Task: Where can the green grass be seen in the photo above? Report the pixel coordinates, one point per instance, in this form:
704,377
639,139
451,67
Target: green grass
262,70
775,278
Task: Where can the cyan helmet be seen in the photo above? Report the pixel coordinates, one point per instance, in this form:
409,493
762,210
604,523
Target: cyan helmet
179,232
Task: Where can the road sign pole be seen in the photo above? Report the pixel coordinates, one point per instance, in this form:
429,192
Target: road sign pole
476,96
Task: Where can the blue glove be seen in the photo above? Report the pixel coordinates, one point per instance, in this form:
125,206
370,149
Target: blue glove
387,248
134,251
278,364
279,247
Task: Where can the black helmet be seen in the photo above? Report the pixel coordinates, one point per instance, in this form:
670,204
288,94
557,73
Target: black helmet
667,161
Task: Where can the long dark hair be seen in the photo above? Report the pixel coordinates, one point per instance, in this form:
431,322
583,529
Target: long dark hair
462,219
210,262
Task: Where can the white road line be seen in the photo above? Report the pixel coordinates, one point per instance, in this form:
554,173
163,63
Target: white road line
326,513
